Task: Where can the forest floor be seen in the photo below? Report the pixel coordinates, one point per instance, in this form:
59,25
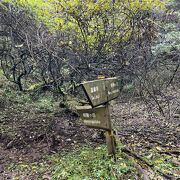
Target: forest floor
28,135
149,135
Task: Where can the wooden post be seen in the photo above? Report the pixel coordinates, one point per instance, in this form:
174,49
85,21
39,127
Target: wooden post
110,138
110,141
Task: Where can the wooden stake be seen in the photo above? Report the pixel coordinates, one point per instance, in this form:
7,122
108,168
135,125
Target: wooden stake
110,141
110,138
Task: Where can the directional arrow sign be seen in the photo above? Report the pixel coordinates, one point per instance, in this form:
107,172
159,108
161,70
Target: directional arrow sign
101,91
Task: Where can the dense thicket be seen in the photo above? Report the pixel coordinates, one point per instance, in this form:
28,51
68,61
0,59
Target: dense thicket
88,43
58,44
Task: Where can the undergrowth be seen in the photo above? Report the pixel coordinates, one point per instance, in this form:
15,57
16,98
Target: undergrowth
83,162
90,163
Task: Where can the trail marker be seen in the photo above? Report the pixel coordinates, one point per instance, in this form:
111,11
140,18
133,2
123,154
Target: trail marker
101,91
97,115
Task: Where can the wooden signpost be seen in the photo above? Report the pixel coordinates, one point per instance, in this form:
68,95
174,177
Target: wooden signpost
101,91
97,115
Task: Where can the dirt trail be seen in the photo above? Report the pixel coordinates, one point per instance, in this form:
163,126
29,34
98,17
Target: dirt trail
30,137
